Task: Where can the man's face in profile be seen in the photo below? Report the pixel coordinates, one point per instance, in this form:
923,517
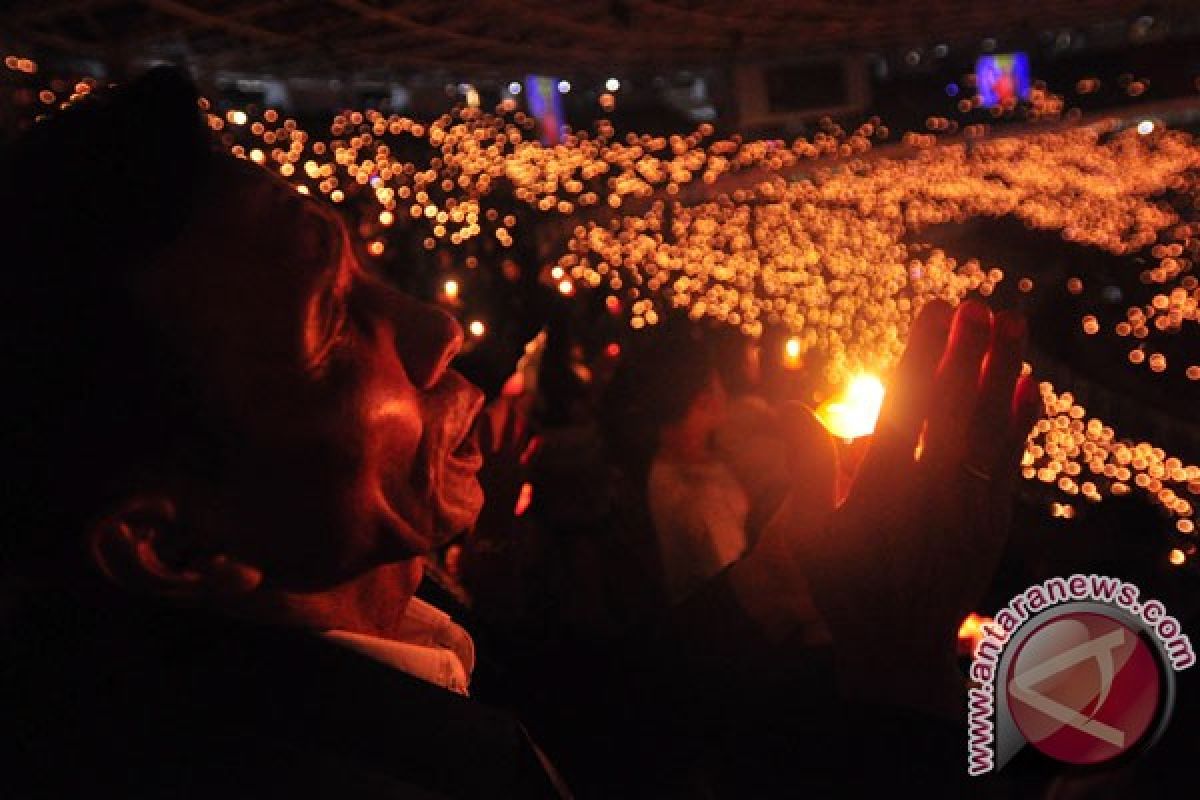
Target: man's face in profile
351,434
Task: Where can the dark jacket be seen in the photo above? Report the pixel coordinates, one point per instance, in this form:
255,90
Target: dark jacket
139,701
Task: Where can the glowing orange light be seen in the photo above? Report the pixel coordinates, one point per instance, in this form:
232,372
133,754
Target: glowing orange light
524,498
1177,557
791,353
476,328
970,632
450,289
856,410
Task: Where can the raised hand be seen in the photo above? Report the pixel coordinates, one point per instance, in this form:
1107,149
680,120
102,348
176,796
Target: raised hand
505,440
912,548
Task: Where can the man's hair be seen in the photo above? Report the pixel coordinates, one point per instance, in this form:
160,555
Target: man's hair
660,376
731,356
88,197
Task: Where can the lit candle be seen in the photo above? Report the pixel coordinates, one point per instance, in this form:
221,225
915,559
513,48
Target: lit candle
791,353
970,632
855,411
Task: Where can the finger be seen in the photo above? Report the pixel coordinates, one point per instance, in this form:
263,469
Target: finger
906,404
484,431
1027,405
995,514
1025,410
520,432
989,440
511,430
956,386
530,451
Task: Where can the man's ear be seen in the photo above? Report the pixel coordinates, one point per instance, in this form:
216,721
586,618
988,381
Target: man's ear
142,547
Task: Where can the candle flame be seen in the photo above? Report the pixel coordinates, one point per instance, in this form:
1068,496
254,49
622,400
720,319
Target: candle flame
970,632
854,412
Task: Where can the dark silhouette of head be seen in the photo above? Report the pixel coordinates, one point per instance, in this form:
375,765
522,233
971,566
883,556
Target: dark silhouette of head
211,397
88,199
662,373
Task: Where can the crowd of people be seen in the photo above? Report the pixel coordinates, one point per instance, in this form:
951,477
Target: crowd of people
248,554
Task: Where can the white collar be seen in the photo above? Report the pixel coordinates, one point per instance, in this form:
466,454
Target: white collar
432,647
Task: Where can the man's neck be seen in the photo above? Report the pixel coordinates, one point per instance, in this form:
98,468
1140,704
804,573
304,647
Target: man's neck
372,603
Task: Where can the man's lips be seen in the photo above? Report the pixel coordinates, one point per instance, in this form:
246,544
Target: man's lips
468,456
438,495
459,455
457,495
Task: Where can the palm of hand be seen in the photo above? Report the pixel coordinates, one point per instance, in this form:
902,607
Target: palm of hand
912,548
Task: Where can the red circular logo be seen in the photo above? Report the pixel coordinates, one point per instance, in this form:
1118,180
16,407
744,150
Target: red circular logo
1083,688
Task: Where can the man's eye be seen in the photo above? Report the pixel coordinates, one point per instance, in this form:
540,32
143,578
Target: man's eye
329,327
340,326
315,239
314,245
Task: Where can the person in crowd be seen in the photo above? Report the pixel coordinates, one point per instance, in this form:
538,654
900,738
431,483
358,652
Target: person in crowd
748,438
667,392
231,444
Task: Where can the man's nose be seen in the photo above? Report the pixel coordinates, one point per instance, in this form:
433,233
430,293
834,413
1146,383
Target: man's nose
427,340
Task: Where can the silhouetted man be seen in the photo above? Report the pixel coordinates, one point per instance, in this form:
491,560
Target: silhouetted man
232,444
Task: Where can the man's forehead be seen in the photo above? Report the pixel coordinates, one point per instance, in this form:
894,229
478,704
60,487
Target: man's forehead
263,193
250,181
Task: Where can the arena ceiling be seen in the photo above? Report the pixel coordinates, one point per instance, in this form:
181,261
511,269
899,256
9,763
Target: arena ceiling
323,36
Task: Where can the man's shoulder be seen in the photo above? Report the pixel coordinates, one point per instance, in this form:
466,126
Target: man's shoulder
192,695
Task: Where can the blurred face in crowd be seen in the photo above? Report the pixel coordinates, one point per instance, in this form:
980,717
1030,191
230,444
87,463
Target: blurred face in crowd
352,444
711,407
706,412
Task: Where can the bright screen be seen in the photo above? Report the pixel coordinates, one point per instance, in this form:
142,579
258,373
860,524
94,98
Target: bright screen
545,104
1002,79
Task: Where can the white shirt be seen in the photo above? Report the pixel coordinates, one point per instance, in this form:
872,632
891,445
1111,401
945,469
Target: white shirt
750,443
699,514
434,648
